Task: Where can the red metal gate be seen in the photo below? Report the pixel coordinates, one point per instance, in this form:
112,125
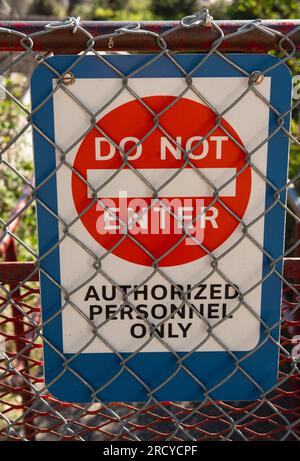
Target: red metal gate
27,410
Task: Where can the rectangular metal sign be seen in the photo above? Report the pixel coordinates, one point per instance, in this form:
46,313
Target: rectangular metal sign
160,224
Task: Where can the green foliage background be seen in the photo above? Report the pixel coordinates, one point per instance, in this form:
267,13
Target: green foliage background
12,119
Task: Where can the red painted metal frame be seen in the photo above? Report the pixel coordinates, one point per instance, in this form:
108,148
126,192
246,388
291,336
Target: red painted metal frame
12,272
15,272
197,38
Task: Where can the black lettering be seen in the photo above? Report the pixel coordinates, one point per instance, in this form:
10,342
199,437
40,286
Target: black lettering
141,291
170,331
125,288
200,291
211,311
191,312
126,311
105,296
158,330
189,293
138,330
228,288
91,293
201,309
142,309
156,288
95,310
155,311
215,289
184,329
176,290
176,310
224,311
110,310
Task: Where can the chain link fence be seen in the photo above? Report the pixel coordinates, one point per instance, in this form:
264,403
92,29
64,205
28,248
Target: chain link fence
28,411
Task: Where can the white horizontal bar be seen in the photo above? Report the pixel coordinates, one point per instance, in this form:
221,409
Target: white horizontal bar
186,184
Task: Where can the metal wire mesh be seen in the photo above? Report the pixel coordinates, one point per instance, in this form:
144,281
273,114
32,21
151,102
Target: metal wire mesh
27,409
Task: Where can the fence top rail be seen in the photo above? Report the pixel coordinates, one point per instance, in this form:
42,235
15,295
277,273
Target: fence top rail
251,37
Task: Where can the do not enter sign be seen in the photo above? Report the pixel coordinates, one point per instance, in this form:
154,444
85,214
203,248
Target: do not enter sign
178,207
159,224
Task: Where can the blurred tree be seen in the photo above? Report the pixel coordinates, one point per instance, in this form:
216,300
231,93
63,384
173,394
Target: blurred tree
74,3
115,10
218,9
16,8
173,9
50,7
265,9
116,4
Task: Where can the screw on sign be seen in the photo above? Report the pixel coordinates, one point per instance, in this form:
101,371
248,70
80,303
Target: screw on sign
179,190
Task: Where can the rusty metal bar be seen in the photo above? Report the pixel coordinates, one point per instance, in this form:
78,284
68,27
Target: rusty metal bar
197,38
18,271
292,268
22,363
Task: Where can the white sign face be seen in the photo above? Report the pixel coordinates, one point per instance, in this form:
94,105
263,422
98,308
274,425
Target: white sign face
157,298
162,240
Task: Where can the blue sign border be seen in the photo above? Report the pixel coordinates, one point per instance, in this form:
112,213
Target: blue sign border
210,368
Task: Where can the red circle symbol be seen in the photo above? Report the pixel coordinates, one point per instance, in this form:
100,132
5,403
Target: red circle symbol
155,205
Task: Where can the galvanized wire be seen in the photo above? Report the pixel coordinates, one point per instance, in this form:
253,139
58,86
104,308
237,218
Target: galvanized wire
27,410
